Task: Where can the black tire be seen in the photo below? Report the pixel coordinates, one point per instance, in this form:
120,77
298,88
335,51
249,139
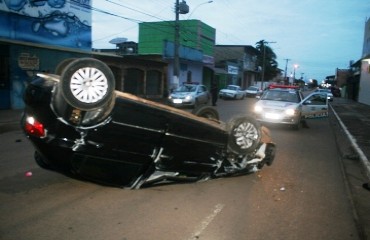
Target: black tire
206,112
196,103
244,134
87,84
62,65
298,125
41,161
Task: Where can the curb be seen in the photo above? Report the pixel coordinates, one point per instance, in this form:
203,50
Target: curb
363,158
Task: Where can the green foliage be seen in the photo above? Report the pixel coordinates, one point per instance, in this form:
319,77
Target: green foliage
267,59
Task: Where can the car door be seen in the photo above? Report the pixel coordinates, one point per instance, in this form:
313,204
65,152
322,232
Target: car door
202,94
239,93
315,105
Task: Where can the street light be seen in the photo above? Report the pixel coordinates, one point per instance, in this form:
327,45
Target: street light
295,67
197,7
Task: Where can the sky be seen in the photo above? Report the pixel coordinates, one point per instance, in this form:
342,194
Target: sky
317,35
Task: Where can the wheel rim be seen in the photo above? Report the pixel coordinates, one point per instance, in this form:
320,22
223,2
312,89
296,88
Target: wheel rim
89,85
246,134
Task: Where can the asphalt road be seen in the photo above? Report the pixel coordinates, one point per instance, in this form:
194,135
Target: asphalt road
303,195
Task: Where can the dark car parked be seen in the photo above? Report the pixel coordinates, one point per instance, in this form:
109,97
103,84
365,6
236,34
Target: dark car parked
82,127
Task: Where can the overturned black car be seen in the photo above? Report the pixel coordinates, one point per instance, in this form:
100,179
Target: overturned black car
81,126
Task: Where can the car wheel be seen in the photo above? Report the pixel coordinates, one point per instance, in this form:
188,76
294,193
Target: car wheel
40,160
298,125
206,112
196,103
87,84
244,135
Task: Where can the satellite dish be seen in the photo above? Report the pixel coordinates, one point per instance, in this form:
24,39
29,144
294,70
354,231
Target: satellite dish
118,40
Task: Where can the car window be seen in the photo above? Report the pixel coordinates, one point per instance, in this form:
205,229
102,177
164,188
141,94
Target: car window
186,88
232,87
284,96
318,99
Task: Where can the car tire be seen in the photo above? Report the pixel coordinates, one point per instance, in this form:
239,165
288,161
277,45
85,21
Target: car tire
298,125
244,134
206,112
87,84
196,103
62,65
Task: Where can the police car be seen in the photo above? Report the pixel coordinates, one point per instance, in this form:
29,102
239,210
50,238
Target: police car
284,104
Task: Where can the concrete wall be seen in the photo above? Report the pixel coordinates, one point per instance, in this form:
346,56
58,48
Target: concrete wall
364,93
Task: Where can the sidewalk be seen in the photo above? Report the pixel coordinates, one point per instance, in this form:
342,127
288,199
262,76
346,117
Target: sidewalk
351,123
354,118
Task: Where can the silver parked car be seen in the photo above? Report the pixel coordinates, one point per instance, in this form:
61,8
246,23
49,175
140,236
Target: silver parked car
191,95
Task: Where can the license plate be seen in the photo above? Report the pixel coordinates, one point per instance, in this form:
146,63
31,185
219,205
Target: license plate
177,101
272,116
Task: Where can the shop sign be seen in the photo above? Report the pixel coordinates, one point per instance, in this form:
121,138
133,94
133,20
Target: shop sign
28,62
232,70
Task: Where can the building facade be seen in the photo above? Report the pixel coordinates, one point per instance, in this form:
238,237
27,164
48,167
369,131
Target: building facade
236,64
34,37
196,47
364,90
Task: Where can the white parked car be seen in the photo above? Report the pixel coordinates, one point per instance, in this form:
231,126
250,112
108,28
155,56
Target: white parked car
252,91
328,92
232,92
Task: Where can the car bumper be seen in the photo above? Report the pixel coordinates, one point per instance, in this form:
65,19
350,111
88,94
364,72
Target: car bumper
226,95
277,118
180,102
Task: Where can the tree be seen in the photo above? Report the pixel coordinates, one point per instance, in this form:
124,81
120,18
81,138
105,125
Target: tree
267,58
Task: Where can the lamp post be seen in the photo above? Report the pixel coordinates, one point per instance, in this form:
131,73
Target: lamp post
180,8
197,7
294,68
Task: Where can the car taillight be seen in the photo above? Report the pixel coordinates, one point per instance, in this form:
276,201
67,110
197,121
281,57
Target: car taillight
34,127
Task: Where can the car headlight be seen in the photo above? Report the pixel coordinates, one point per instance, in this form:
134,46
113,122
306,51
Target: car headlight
188,97
258,109
290,112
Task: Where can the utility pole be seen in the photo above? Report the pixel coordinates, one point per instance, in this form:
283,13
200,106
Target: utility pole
286,69
180,8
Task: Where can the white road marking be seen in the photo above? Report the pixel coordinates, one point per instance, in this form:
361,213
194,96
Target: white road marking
204,224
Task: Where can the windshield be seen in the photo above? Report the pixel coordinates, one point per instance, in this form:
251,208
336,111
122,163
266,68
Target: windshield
186,88
284,96
232,87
